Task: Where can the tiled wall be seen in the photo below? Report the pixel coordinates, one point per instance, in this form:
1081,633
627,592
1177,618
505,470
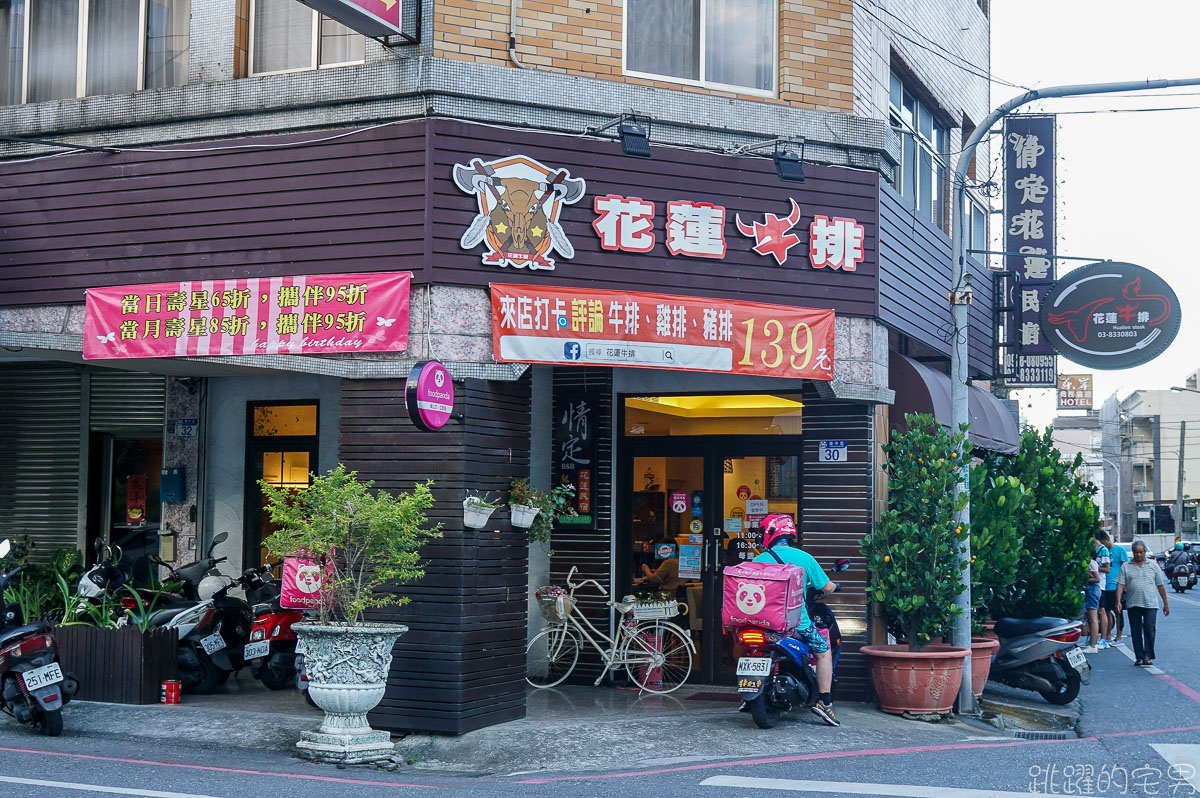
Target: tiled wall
584,37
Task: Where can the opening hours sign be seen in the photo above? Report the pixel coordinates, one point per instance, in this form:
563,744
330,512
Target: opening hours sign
595,327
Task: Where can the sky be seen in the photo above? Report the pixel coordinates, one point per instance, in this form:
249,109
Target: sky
1127,181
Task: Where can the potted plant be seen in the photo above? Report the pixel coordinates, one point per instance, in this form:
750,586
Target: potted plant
477,510
914,572
550,506
359,540
525,502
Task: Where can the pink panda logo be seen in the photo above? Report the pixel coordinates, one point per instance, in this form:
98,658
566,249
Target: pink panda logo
750,598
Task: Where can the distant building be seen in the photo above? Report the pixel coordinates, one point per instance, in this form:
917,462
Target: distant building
1081,435
1141,434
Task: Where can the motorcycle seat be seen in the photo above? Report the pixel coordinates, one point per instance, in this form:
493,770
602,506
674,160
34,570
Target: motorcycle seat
1018,627
12,635
163,615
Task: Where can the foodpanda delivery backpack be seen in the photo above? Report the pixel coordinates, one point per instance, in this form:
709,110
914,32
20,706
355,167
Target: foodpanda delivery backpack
766,594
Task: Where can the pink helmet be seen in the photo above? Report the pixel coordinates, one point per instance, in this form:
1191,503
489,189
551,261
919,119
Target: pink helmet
776,527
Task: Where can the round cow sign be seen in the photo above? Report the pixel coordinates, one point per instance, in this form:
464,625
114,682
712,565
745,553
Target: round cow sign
1110,315
429,396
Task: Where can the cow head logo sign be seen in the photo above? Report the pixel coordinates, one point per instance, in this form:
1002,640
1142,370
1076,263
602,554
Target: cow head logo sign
750,598
519,203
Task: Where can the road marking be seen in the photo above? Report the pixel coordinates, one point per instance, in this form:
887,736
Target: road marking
70,785
1183,759
853,788
1193,602
1166,677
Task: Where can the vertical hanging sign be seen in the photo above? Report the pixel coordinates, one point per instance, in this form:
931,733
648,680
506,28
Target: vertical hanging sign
1029,241
576,454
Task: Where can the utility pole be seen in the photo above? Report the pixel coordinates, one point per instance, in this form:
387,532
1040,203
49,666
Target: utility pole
1179,482
960,298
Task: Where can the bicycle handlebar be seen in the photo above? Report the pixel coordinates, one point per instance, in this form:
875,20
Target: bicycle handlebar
573,586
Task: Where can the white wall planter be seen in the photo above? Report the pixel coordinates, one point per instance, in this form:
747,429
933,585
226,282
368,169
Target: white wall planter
522,515
475,516
347,674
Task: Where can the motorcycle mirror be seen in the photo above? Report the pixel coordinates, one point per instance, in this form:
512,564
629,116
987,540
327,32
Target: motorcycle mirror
97,544
218,539
5,548
841,565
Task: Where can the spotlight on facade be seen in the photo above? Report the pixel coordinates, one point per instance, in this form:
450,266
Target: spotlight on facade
789,160
635,137
633,132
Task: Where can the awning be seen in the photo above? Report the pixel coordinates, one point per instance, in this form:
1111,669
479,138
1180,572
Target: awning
921,389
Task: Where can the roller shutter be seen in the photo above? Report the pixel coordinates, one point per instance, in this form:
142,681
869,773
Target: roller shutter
39,454
128,404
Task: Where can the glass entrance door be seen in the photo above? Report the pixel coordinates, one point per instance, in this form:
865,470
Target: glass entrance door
695,507
281,449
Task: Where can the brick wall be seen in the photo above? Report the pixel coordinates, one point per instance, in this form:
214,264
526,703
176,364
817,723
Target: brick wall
584,37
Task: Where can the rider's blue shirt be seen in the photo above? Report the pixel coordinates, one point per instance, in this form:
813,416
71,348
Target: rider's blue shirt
813,575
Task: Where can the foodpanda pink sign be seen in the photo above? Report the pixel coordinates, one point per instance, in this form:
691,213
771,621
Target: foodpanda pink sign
429,396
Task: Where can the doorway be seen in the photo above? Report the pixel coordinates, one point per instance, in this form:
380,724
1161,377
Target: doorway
281,449
123,503
692,504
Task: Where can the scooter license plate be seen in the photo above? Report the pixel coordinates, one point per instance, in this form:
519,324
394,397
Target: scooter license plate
300,646
753,666
255,650
42,677
1075,658
1182,581
750,684
213,643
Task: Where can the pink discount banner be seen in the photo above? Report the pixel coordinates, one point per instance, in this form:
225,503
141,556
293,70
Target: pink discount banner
311,315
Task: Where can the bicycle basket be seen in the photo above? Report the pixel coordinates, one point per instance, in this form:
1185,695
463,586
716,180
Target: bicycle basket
555,609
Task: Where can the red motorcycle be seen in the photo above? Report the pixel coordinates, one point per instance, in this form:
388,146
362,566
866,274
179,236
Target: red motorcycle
271,652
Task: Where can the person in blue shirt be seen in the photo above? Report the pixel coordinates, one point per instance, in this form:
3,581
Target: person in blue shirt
1116,618
779,538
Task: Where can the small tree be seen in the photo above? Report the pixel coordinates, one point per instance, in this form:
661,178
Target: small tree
997,541
912,553
359,538
1058,518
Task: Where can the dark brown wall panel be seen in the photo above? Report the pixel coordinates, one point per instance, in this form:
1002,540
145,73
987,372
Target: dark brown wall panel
347,205
461,666
746,185
914,280
836,513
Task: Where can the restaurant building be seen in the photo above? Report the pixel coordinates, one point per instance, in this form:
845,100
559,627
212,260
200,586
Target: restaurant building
279,217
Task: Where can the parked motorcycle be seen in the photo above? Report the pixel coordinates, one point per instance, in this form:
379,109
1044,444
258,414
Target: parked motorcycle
777,673
106,578
33,686
1042,655
271,652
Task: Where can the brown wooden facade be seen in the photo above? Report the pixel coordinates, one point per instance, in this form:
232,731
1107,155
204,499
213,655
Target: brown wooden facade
384,200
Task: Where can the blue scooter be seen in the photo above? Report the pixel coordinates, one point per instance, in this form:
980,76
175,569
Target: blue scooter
777,673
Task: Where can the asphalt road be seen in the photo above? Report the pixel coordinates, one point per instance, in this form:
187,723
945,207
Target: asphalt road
1140,735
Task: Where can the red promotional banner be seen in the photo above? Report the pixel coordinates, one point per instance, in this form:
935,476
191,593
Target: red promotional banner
256,316
594,327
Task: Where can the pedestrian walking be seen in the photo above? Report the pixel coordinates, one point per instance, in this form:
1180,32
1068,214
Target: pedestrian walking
1091,603
1104,558
1135,593
1116,618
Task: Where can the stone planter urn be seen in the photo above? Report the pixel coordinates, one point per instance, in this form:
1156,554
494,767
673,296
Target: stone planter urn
347,673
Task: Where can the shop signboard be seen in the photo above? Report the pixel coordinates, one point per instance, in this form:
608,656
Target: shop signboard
1075,391
1111,315
1030,371
309,315
1029,222
429,396
375,18
520,202
577,454
595,327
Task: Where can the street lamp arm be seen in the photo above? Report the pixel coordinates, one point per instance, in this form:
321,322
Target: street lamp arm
959,300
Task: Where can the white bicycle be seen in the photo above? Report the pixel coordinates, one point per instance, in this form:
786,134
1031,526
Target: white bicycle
655,653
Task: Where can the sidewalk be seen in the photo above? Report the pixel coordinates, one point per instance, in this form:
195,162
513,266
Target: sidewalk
567,729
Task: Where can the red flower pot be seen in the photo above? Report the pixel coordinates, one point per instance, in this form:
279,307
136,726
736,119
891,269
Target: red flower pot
982,651
915,681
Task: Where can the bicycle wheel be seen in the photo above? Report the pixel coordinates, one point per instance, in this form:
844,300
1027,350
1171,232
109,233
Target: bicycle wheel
551,656
658,657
